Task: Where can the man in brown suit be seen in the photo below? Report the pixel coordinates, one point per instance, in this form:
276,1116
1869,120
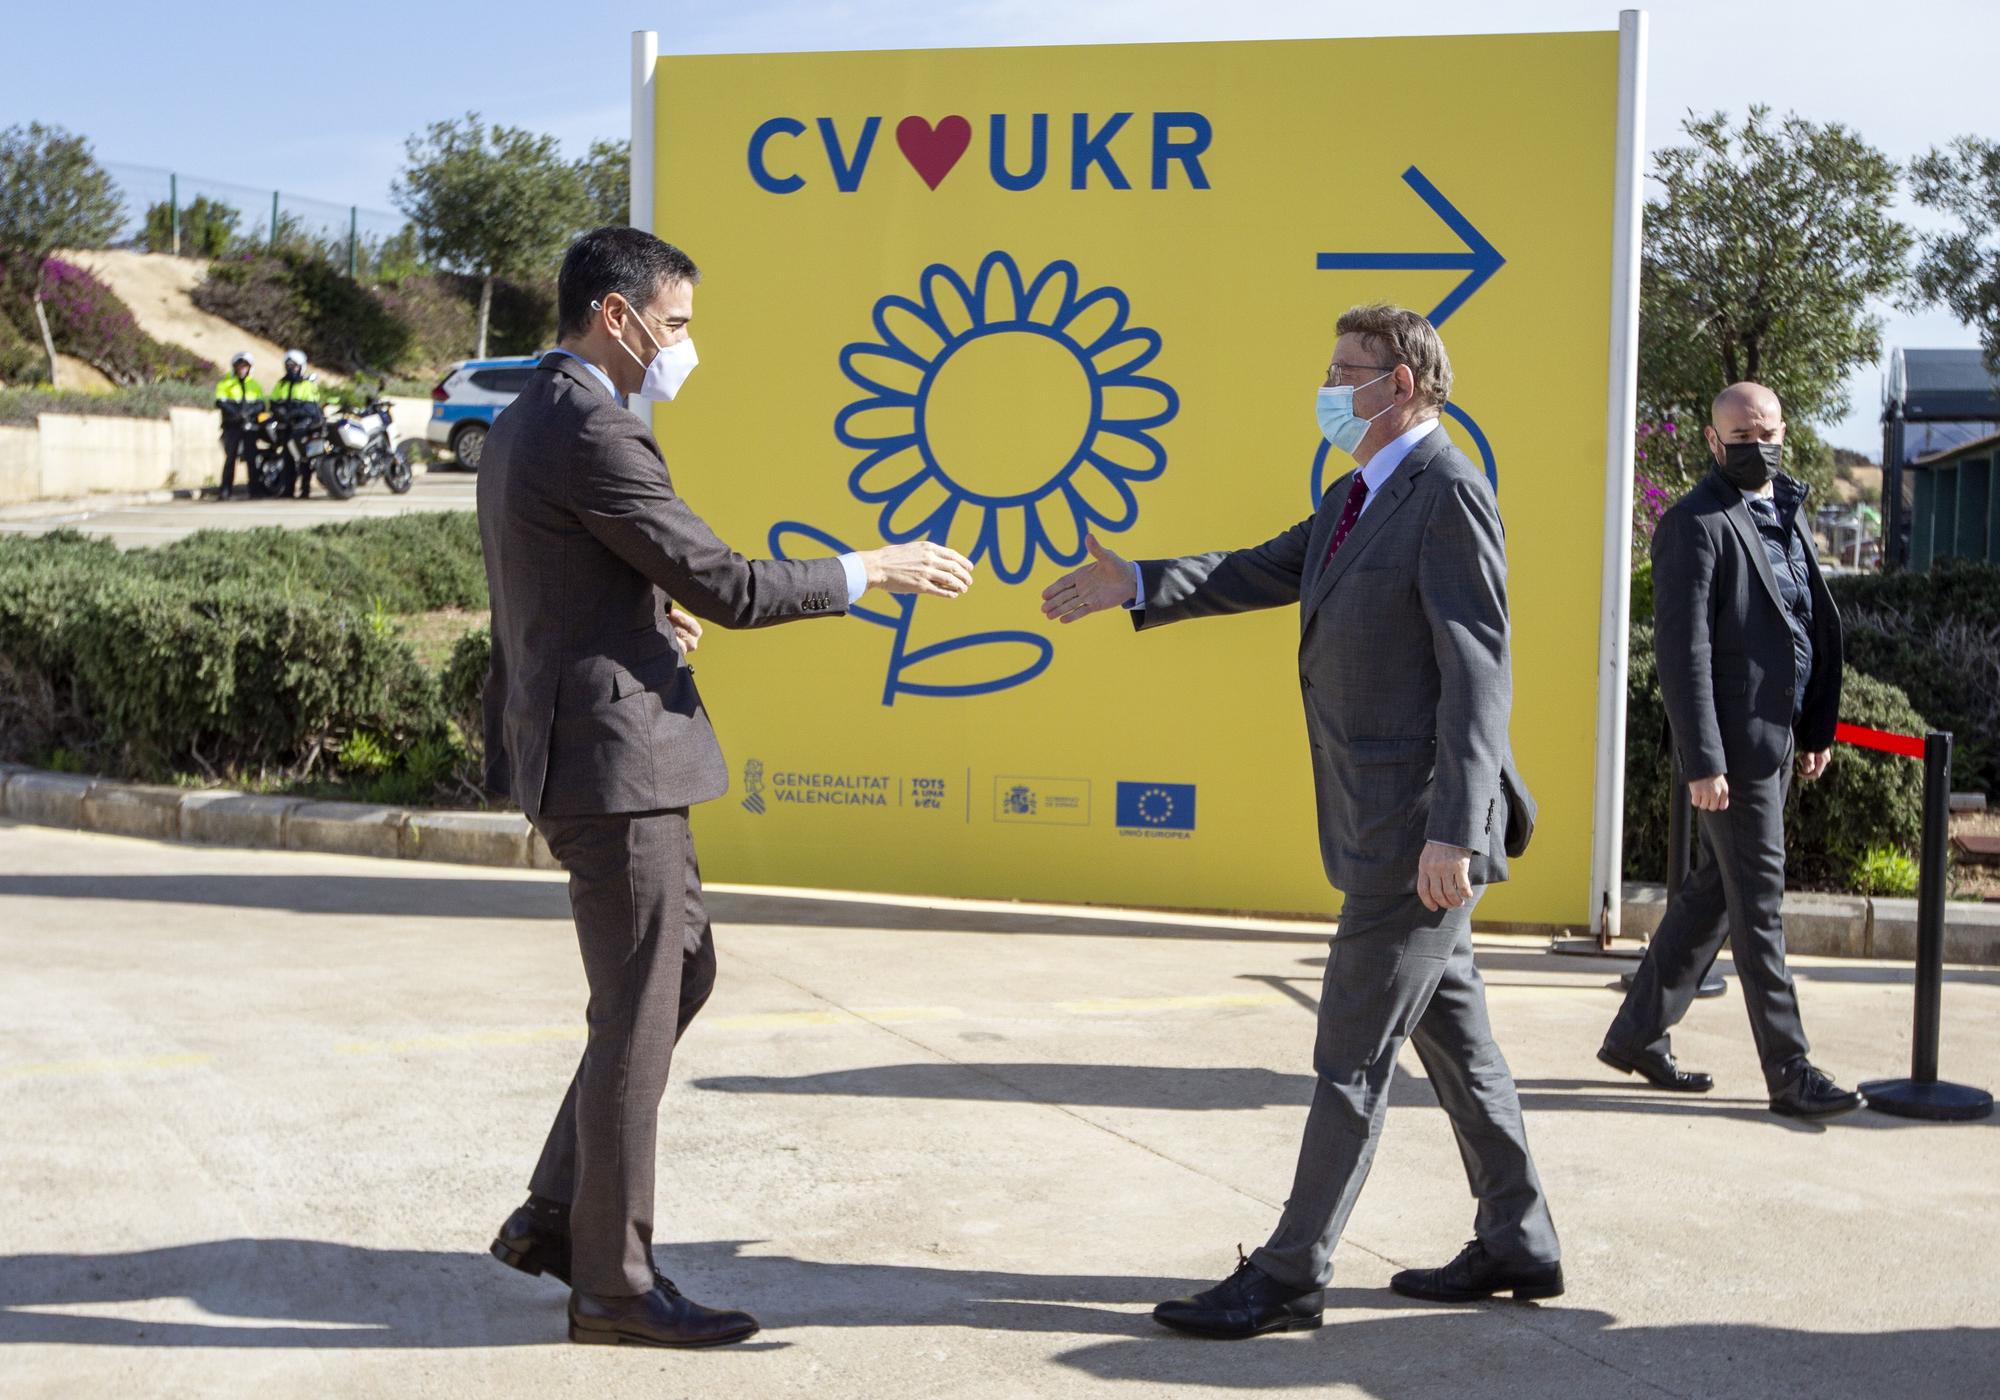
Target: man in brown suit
598,570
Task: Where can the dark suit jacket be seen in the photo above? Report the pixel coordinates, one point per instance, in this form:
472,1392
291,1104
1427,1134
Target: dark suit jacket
1727,672
1403,665
590,707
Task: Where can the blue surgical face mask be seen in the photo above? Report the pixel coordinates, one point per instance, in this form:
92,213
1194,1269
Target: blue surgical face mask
1337,418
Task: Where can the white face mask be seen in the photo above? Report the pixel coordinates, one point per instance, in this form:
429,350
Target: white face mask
669,367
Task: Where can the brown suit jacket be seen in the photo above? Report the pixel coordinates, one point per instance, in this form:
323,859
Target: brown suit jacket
590,707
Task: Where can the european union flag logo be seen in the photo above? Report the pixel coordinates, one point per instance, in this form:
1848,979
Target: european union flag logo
1156,806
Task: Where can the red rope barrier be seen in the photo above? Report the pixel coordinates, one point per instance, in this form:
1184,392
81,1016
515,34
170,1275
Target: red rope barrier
1908,745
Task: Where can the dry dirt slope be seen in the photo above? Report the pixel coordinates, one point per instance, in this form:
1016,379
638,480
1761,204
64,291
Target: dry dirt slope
158,287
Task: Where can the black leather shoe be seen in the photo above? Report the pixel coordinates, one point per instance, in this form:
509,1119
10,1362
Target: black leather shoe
661,1318
1813,1095
1247,1303
1656,1069
1477,1275
536,1241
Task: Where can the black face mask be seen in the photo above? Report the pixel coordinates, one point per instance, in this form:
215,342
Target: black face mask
1749,465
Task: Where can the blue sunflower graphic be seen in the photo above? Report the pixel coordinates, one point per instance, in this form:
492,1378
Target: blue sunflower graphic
1009,418
1022,405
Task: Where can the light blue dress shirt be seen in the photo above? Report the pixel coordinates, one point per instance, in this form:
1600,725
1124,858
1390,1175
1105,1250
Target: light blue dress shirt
1377,473
856,571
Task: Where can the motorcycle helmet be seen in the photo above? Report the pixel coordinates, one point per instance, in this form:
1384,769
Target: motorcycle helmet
295,359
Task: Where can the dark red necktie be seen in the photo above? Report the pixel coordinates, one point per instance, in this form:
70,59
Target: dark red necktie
1357,496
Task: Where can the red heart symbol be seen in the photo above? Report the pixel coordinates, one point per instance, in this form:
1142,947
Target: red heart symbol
933,150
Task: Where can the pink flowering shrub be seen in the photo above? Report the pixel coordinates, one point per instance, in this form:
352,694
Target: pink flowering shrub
87,320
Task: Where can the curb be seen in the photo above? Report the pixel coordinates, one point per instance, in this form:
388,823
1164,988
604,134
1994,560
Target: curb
1821,925
1849,925
218,817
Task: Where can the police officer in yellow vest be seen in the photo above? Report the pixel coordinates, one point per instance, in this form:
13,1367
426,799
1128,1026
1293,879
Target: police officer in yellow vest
296,387
238,397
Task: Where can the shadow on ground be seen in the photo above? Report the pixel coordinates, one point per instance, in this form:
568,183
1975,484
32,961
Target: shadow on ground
321,1294
1209,1088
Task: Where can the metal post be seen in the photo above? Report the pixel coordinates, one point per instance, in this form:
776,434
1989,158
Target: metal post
1930,906
1923,1095
174,203
1614,598
645,57
274,221
353,238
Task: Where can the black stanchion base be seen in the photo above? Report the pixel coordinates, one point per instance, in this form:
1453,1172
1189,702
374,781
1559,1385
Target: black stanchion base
1937,1101
1711,985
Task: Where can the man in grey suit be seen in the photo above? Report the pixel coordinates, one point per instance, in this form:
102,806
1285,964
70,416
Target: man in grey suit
1748,643
594,726
1400,579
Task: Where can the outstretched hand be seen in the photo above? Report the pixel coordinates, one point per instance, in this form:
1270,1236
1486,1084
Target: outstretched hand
919,567
1104,583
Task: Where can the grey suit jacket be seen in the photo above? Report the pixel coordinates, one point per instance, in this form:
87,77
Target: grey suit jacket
1403,666
590,707
1727,673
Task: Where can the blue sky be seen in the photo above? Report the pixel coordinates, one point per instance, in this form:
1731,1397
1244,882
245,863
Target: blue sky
327,95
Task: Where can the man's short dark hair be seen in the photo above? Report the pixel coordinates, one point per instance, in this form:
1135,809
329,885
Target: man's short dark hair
628,261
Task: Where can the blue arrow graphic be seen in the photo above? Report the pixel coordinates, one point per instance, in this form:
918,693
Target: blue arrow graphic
1480,258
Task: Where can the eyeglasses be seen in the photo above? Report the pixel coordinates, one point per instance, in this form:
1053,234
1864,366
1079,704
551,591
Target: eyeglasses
1343,373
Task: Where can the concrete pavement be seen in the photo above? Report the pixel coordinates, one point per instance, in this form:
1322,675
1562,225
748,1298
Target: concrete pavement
131,525
264,1110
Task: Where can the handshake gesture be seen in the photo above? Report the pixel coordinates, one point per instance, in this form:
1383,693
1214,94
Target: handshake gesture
919,567
1107,581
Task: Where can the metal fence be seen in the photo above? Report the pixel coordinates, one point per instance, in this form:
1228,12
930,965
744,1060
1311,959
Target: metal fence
157,203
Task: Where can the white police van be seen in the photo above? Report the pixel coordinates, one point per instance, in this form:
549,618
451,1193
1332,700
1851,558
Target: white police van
470,397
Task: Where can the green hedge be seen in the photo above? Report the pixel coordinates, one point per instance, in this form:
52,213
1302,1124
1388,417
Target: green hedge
1865,802
402,564
252,656
1937,635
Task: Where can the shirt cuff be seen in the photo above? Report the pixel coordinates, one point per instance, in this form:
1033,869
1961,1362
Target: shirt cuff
1138,589
857,577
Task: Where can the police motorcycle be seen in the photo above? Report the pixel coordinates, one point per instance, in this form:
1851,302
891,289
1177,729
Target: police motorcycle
362,448
292,437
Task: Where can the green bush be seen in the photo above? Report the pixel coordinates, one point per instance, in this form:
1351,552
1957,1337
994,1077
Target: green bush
208,227
1883,871
462,689
442,312
238,655
1864,801
403,564
294,297
1937,636
410,324
24,405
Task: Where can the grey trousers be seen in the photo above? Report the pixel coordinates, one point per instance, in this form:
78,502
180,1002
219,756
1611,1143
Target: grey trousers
1735,893
1397,971
649,958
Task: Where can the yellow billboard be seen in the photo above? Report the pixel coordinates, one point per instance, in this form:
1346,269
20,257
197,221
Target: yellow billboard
1002,298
